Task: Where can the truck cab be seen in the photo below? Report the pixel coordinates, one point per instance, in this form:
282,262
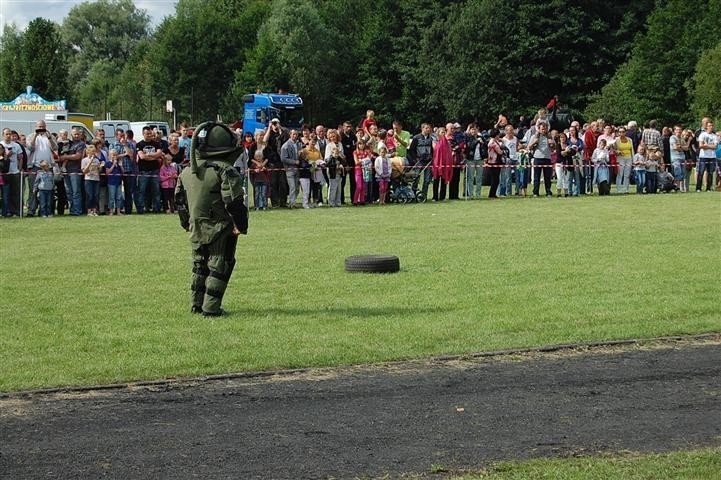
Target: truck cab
261,108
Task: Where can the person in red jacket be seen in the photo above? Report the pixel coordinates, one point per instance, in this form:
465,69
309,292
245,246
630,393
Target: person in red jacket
590,136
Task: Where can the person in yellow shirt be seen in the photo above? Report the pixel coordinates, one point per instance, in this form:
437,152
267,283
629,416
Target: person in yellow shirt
624,146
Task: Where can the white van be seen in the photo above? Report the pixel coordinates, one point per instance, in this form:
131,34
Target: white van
137,128
109,126
27,127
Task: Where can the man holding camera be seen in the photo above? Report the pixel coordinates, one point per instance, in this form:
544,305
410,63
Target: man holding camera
41,146
275,137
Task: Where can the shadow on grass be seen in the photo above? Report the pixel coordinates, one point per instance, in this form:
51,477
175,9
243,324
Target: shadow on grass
337,311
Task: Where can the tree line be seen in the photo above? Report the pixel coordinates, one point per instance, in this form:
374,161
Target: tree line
418,60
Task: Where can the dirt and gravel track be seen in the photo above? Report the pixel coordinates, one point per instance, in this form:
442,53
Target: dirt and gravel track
374,420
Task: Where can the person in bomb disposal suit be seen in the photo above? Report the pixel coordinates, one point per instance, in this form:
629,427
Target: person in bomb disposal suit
209,197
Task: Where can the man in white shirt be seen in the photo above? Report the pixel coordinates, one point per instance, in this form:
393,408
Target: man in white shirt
41,146
707,143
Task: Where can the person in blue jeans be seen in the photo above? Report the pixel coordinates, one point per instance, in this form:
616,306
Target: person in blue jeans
150,156
44,185
71,157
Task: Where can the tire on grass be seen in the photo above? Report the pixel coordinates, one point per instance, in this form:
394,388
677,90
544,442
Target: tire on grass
372,264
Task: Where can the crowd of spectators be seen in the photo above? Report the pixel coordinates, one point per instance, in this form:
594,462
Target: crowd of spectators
360,164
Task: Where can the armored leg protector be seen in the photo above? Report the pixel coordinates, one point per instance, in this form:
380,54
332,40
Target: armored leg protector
200,275
221,261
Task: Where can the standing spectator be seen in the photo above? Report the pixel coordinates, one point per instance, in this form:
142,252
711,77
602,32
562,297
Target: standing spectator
708,142
564,165
12,176
275,137
90,166
150,156
402,139
420,155
184,143
541,144
348,140
315,157
633,133
130,172
168,178
119,145
383,173
335,171
691,154
4,188
43,186
359,155
590,138
102,155
476,153
289,156
653,159
114,172
639,168
73,171
61,197
442,168
259,178
321,140
304,171
601,162
575,183
495,156
42,147
677,152
511,143
666,147
456,141
624,146
651,136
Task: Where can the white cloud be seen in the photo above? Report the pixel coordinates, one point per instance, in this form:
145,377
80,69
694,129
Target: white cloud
21,12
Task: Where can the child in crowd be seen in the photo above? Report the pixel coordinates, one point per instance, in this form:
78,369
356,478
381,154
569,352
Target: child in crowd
90,167
522,172
367,168
390,141
168,179
63,147
653,160
114,170
335,171
304,177
359,155
44,186
600,159
666,181
259,177
639,168
383,172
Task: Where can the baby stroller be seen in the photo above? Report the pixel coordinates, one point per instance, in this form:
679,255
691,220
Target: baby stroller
405,188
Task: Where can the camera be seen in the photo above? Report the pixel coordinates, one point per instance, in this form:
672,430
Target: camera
40,130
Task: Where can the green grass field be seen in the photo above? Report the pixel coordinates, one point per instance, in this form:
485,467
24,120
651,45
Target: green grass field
98,300
703,464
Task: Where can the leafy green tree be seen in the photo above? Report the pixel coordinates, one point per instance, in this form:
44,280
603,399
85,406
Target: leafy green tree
707,80
43,59
102,30
656,80
200,48
294,45
12,78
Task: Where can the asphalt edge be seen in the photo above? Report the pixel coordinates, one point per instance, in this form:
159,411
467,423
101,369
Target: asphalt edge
297,371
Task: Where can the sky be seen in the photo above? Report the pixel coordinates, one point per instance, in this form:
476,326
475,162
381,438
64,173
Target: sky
21,12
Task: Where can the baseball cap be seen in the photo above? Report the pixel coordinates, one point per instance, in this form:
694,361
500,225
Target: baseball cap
456,125
275,120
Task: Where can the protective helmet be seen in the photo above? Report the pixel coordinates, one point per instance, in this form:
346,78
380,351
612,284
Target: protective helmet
215,141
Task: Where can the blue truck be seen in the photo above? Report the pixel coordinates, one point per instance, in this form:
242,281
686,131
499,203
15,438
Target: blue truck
261,108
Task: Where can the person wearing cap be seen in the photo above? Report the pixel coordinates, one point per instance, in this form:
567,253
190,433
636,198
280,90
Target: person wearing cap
209,198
